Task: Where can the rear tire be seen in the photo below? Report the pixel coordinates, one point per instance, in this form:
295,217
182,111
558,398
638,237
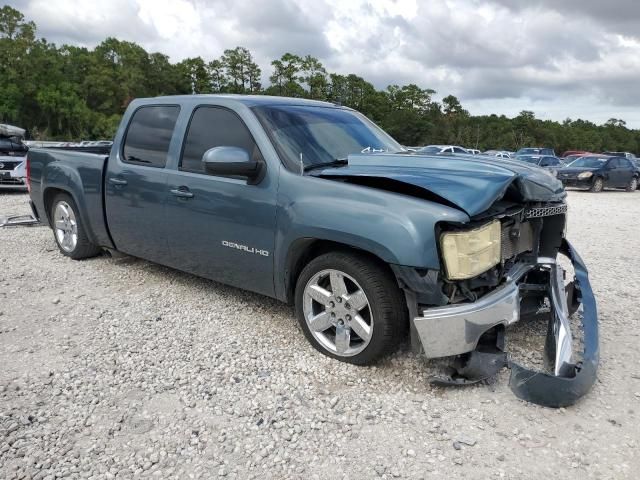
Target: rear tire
68,230
597,185
357,309
633,185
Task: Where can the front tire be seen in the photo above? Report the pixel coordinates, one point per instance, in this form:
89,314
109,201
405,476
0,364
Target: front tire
597,185
68,230
350,307
633,185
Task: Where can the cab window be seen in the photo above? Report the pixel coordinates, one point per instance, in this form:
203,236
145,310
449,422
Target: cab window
149,135
214,127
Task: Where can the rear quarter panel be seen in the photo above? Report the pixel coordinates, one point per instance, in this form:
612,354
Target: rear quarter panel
78,174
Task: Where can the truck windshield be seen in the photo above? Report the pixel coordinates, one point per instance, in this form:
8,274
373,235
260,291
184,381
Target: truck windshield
319,135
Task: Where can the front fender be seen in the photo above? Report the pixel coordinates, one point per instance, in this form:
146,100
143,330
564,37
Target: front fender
397,228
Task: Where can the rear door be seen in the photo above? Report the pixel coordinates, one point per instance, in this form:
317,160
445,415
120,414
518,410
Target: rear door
135,184
221,227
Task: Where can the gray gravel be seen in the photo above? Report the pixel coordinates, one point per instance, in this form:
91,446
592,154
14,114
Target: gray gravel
118,368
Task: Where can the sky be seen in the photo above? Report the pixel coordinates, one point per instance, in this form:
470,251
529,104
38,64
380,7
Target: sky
558,58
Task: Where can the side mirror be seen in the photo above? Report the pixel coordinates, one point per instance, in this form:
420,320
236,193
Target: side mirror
232,161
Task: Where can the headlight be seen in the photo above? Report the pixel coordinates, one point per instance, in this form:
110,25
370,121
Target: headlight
467,254
584,175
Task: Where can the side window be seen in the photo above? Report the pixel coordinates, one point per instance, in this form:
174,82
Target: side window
214,127
549,162
149,135
613,163
458,150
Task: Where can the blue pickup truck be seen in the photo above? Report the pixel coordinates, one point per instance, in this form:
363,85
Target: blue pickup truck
315,205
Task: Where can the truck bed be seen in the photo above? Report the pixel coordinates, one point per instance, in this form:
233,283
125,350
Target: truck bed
81,174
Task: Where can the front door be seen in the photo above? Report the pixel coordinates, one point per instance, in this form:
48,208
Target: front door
136,184
221,227
615,172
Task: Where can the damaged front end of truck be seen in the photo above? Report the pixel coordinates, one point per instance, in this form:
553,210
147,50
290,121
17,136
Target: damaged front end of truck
503,266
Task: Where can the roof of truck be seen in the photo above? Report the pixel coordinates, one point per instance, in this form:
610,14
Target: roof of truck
249,100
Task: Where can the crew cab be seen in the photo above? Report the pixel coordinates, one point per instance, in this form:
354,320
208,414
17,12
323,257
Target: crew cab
597,172
315,205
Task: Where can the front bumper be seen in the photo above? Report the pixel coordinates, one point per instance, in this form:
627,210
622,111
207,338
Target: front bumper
456,329
574,182
9,181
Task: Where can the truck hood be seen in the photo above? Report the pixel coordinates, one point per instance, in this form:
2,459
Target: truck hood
472,184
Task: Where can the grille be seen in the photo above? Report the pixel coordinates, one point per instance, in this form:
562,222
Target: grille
8,164
537,212
11,181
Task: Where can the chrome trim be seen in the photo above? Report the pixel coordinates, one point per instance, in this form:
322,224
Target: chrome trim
548,211
456,329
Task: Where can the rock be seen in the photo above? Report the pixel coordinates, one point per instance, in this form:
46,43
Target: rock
465,440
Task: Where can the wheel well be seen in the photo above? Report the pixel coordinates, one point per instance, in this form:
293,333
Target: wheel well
306,249
49,195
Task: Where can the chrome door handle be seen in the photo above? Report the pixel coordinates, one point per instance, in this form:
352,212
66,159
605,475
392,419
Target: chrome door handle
182,193
117,181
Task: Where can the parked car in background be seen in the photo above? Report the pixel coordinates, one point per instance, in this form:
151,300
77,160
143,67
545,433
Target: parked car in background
473,151
536,151
574,156
498,153
436,149
12,154
548,162
628,155
597,172
573,153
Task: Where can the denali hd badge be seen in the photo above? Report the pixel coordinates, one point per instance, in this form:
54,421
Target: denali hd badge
244,248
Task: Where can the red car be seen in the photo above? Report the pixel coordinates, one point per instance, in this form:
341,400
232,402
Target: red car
574,153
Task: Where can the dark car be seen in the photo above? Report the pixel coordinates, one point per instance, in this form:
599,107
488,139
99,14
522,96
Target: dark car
597,172
536,151
548,162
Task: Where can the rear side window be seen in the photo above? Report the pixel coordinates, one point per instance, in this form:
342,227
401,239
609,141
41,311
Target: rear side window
214,127
149,135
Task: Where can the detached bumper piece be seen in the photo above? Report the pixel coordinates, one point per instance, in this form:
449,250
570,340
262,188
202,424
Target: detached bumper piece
18,221
461,330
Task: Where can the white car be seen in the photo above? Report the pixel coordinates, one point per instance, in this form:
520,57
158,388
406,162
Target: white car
438,149
498,153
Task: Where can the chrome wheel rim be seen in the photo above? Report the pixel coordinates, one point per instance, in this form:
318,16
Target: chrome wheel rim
66,226
338,313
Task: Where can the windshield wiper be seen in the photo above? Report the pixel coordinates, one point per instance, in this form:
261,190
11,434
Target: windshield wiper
332,163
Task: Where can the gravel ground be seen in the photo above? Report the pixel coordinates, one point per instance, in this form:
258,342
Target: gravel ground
119,368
